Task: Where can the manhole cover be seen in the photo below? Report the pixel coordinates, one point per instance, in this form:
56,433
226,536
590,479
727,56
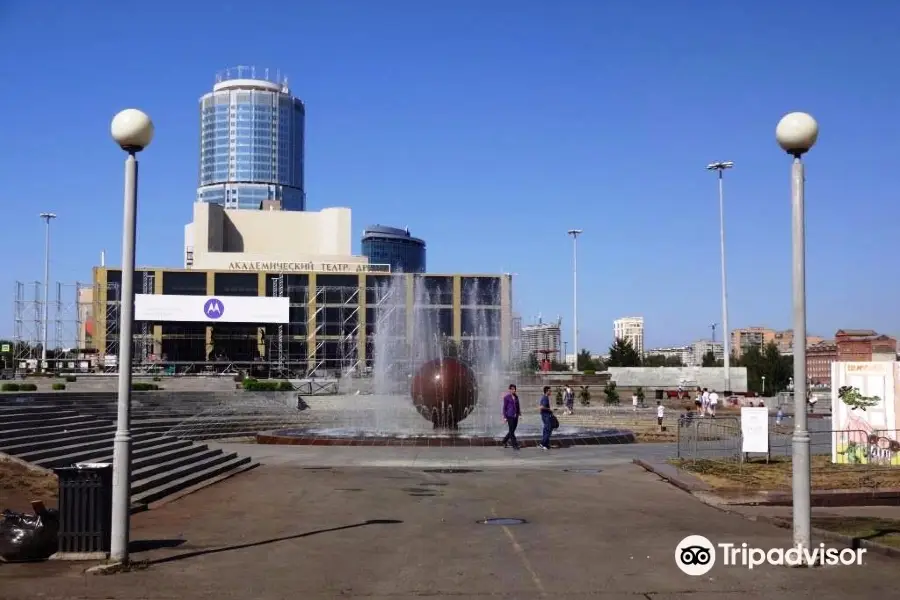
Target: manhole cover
451,471
502,521
583,471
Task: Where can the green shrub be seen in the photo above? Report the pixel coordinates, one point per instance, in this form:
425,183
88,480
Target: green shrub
559,396
585,395
140,386
10,387
58,387
27,387
589,372
612,394
71,379
254,385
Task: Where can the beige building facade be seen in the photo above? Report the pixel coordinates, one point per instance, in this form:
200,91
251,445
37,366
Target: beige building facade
223,239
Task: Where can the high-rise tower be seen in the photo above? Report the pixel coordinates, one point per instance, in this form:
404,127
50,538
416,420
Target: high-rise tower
252,142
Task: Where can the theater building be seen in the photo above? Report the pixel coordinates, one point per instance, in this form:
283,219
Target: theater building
302,318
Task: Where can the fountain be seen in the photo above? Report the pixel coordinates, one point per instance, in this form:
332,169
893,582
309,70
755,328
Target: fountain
426,388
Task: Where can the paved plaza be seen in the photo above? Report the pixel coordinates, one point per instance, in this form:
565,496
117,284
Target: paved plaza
381,523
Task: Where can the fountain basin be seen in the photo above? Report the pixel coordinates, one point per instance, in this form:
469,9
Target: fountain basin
563,437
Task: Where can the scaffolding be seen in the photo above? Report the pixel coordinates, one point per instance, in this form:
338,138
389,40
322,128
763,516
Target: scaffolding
68,310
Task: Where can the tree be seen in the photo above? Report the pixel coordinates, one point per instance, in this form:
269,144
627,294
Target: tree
558,366
623,354
709,359
674,361
766,362
532,363
655,360
584,362
612,394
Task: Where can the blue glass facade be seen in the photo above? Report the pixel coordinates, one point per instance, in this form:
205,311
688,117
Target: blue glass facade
395,247
251,145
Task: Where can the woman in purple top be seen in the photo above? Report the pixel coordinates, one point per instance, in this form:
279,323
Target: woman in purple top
511,413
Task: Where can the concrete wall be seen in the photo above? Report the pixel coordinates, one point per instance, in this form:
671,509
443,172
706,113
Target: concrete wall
671,377
219,237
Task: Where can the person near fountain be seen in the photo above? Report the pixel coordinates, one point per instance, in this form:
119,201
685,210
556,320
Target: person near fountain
511,413
569,397
546,419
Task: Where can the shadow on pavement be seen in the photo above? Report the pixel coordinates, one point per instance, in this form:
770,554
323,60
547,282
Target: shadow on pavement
136,546
271,541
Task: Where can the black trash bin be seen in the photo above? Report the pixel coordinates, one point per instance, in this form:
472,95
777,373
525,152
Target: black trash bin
85,509
659,394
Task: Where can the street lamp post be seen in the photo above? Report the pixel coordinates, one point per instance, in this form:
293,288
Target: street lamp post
763,391
796,133
47,217
720,168
575,233
133,131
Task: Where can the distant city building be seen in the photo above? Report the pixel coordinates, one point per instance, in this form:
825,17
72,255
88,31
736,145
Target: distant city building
682,353
252,142
818,362
632,330
692,354
700,348
758,337
544,340
849,345
395,247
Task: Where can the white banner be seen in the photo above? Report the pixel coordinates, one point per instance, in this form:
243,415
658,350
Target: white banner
755,429
160,308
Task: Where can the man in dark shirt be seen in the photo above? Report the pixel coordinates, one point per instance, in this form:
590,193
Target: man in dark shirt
546,415
511,413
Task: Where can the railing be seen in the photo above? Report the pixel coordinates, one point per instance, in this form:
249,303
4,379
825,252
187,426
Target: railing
839,459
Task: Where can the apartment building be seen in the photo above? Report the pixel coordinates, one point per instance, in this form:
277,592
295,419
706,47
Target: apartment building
632,330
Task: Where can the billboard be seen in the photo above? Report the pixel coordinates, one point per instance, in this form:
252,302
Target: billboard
160,308
865,432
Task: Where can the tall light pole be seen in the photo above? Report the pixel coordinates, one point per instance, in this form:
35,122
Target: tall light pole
133,131
720,168
796,133
47,217
575,233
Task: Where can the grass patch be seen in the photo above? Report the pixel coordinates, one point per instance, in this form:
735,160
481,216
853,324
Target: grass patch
776,474
873,529
20,485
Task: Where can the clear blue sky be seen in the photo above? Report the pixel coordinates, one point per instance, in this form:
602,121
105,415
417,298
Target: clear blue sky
490,128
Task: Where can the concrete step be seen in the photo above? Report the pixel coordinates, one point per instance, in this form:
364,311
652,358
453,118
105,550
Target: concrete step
8,411
232,464
163,466
24,445
142,483
102,444
85,425
27,420
104,428
143,449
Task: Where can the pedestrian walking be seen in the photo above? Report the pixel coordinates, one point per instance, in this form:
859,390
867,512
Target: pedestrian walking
660,415
511,413
569,397
546,419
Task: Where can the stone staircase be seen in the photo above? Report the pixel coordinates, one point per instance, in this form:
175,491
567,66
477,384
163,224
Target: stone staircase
61,429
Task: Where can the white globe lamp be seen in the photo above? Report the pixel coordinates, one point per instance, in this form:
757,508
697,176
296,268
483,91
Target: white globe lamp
132,129
796,133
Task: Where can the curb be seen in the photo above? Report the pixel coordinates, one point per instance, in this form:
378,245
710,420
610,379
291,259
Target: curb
849,541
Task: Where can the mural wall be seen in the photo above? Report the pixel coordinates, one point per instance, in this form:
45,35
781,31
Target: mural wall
868,434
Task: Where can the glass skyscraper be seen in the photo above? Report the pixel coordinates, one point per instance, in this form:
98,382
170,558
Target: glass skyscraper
395,247
251,143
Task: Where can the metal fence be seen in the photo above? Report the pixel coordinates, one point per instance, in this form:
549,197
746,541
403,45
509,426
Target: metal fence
840,459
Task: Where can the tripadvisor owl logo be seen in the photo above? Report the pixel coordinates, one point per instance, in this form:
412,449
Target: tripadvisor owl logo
696,555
